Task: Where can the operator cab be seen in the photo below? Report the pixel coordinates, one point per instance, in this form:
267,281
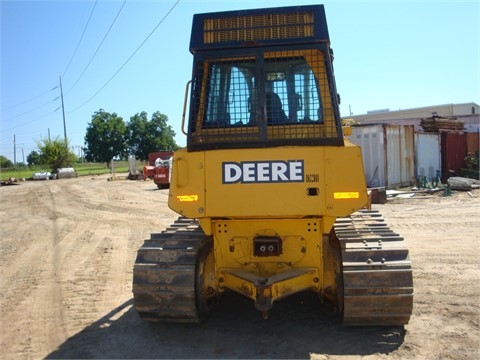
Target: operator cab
245,94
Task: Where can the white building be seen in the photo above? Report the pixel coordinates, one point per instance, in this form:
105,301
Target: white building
469,113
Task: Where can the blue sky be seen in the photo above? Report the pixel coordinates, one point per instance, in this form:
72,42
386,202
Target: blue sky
388,54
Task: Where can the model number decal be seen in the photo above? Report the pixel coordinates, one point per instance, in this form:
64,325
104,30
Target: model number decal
262,171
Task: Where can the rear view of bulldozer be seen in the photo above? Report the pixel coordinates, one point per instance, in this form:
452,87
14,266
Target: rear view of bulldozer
269,192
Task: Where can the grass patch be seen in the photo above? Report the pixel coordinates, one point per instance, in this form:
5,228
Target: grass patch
82,169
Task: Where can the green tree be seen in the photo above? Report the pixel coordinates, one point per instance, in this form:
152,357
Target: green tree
55,153
105,137
34,158
145,136
5,163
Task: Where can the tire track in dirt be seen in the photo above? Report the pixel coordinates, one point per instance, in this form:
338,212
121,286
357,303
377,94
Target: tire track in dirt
52,289
31,280
100,259
99,226
446,269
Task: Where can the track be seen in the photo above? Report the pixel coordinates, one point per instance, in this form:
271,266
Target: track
165,273
377,272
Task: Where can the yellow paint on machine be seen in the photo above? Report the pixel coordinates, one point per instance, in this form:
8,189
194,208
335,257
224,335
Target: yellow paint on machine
284,182
346,195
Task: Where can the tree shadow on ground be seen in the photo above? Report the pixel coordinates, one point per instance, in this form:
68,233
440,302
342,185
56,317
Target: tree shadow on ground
297,327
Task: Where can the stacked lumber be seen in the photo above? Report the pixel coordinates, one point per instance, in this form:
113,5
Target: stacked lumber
436,123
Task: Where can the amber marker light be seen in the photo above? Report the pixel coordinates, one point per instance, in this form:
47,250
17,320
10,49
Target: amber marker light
346,195
187,198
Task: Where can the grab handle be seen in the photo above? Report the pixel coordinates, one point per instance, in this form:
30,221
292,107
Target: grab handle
187,88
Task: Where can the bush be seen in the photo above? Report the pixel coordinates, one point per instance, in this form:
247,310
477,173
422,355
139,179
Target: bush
472,161
55,153
5,163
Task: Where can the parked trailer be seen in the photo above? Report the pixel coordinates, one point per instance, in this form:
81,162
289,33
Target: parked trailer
158,168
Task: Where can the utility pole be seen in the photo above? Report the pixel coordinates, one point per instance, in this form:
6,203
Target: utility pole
14,151
63,112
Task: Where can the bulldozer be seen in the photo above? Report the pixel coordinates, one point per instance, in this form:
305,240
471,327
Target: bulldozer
270,193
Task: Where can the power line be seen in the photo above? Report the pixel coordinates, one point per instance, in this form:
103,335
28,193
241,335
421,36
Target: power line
48,91
30,99
81,38
131,56
31,110
98,48
32,120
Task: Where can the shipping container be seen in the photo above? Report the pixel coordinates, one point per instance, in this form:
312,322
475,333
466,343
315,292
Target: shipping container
371,139
472,142
427,155
400,155
454,151
388,154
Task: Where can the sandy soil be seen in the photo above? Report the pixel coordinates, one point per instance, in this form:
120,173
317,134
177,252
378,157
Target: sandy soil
67,249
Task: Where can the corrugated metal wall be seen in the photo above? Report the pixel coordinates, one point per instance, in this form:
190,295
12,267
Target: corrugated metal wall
400,155
427,155
371,140
454,151
472,142
394,155
388,154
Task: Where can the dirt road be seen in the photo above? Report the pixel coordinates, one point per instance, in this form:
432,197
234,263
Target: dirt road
67,249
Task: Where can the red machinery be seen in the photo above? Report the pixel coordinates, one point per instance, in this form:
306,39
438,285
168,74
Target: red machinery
158,168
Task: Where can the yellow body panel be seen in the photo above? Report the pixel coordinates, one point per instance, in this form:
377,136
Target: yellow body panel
319,175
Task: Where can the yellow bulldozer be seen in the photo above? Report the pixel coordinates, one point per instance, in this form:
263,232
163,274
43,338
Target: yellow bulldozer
270,194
